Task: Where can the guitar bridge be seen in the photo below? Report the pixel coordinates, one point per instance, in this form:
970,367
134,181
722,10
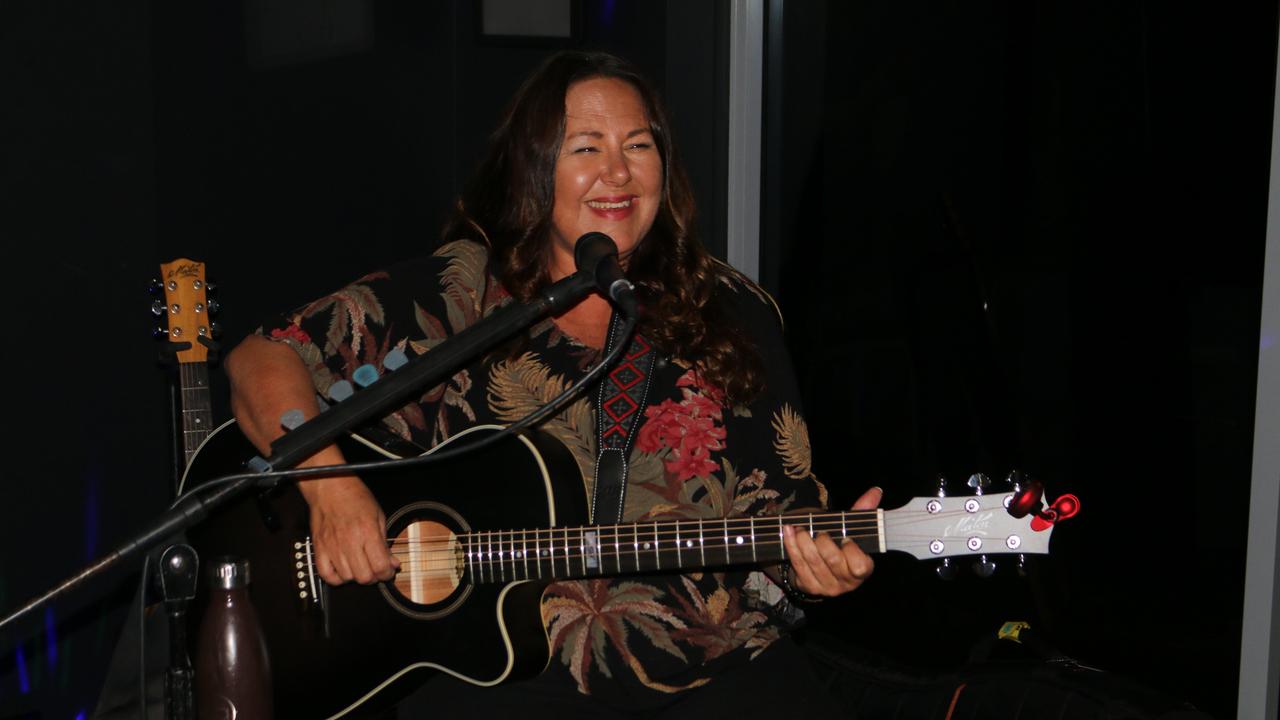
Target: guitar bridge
305,563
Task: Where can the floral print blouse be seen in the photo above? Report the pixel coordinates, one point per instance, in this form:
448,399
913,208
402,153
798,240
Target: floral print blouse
628,639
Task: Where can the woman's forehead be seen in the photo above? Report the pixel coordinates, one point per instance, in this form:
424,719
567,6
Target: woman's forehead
604,101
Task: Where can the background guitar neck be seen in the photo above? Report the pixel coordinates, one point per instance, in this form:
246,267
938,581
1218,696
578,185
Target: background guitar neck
187,310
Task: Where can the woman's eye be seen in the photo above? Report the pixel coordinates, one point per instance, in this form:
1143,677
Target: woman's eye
587,149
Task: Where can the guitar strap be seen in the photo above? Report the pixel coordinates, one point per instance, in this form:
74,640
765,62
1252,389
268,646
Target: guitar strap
620,402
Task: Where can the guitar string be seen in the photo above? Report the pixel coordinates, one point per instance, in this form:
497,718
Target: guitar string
493,567
852,518
573,553
627,539
827,521
436,551
639,531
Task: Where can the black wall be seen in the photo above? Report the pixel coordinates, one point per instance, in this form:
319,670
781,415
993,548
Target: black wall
1031,235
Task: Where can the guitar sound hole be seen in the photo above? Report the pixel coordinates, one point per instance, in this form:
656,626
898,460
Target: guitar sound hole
431,562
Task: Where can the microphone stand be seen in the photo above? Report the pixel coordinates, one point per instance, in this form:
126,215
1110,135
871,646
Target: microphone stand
379,399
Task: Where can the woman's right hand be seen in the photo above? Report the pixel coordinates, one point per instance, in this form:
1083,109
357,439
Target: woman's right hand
348,528
349,531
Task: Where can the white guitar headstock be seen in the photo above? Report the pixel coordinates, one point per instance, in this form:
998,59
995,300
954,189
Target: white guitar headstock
942,527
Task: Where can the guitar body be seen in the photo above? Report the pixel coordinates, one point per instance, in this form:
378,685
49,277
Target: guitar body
351,650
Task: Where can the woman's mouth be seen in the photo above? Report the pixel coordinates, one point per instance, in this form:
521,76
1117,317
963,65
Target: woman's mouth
613,208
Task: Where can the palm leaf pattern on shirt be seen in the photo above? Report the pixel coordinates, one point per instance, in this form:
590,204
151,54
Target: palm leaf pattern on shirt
463,280
582,616
521,385
792,444
717,622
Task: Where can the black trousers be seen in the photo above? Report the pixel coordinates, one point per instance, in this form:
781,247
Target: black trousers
779,683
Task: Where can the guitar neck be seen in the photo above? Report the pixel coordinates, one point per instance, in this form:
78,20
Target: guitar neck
663,546
196,410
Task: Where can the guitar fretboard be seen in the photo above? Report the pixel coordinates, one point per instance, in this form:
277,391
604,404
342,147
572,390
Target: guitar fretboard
664,546
197,415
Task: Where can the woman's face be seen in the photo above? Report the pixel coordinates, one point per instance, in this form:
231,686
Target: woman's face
608,174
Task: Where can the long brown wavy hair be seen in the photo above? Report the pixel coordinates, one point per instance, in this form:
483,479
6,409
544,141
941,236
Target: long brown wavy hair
509,203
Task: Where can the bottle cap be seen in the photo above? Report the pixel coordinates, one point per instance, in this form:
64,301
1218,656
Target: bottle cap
230,573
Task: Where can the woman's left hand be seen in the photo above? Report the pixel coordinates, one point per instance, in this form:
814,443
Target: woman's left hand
822,568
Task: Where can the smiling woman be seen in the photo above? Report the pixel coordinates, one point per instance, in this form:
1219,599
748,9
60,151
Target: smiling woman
699,423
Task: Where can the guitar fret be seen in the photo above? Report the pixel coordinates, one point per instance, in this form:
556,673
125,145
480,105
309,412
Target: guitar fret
781,546
582,550
726,540
844,530
657,559
635,532
812,534
488,536
617,549
476,554
702,548
466,546
752,523
568,571
537,551
679,560
524,551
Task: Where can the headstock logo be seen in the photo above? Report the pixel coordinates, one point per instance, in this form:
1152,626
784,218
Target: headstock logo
186,270
977,524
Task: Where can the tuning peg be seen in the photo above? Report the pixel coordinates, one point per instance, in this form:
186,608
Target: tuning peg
942,486
210,287
214,306
160,333
215,329
946,569
158,308
978,482
984,567
1022,565
155,287
1014,480
1027,500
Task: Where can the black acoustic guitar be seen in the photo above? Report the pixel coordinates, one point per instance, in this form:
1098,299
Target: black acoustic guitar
467,598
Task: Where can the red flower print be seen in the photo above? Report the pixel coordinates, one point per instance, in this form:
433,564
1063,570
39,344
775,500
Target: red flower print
292,332
689,428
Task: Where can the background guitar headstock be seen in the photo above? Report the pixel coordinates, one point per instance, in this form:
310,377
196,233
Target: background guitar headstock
186,306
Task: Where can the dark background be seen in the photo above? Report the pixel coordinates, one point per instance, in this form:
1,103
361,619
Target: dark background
1093,174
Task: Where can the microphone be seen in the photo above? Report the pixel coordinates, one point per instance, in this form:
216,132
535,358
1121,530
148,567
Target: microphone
597,255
